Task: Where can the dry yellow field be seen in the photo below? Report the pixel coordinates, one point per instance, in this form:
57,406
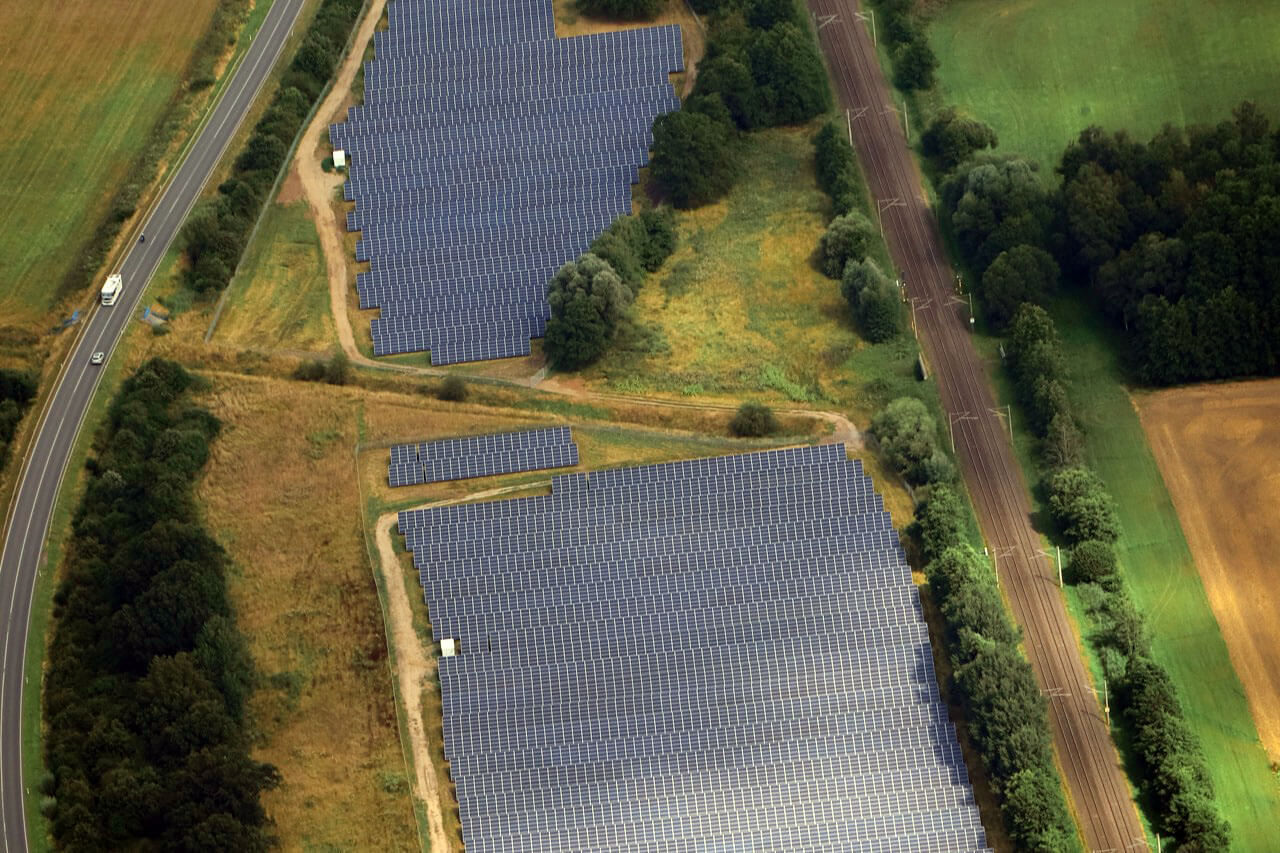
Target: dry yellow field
1218,447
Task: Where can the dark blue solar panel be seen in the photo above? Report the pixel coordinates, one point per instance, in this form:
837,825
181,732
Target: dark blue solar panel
486,154
482,455
714,654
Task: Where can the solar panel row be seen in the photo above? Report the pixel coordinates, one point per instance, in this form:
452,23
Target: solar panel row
481,456
716,654
486,155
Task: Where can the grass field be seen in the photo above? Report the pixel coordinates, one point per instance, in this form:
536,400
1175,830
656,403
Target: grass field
280,297
1040,71
1165,585
739,307
1218,447
87,81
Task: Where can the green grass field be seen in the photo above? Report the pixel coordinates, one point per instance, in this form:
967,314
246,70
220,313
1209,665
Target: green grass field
87,83
1040,71
279,298
1166,586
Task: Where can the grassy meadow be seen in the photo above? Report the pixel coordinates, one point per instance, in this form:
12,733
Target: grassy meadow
740,308
87,83
279,298
1039,71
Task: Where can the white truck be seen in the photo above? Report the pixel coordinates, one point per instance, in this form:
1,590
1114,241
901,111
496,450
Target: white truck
111,290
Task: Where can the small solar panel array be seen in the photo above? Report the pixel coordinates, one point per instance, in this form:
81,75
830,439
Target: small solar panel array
486,155
481,456
719,654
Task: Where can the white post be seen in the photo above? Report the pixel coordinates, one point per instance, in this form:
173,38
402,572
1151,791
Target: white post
1058,548
906,120
1009,408
848,120
874,40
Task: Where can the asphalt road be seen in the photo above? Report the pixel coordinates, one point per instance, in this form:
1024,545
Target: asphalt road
1091,766
43,467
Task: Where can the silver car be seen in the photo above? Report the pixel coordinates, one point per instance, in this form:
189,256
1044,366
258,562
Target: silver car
98,358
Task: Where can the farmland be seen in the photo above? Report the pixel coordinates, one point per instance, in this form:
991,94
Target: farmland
75,118
1039,72
1218,447
1163,579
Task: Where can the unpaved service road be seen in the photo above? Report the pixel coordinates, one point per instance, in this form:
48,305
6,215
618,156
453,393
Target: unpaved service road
1218,448
1095,782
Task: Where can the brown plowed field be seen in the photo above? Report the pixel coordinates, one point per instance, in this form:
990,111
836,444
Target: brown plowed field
1218,447
1099,793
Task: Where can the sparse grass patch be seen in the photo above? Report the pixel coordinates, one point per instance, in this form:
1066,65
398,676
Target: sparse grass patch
279,298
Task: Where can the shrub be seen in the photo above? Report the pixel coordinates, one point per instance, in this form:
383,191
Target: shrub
939,522
1091,561
453,389
879,311
951,138
908,436
914,64
1062,445
753,420
847,238
1081,507
588,303
836,169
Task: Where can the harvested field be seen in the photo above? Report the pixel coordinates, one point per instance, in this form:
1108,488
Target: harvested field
1218,448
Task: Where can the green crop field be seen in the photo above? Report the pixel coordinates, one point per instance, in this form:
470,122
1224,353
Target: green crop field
85,84
1040,71
1166,586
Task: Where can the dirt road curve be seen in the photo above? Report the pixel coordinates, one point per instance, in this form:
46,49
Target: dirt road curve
1099,792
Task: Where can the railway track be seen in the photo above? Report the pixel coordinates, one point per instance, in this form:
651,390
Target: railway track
1099,793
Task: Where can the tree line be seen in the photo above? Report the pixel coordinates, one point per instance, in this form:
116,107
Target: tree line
1173,237
216,233
591,297
1176,778
1006,715
146,736
17,390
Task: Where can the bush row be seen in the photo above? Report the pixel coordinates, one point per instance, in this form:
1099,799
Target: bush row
1005,712
1176,778
221,34
214,237
914,62
626,10
144,699
837,170
17,389
591,297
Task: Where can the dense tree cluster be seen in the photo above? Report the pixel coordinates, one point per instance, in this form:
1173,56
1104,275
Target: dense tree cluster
951,138
1021,274
215,235
693,160
908,437
837,170
626,10
1085,517
763,63
335,370
914,62
873,299
1178,237
148,677
17,389
591,297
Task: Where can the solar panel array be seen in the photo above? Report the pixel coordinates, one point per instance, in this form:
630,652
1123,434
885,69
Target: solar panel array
481,456
720,654
487,154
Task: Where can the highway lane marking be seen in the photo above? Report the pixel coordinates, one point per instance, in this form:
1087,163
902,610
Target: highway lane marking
40,482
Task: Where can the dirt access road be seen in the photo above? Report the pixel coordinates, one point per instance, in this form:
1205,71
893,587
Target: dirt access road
1095,781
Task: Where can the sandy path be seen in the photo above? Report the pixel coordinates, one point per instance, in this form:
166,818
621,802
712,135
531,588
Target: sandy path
413,669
